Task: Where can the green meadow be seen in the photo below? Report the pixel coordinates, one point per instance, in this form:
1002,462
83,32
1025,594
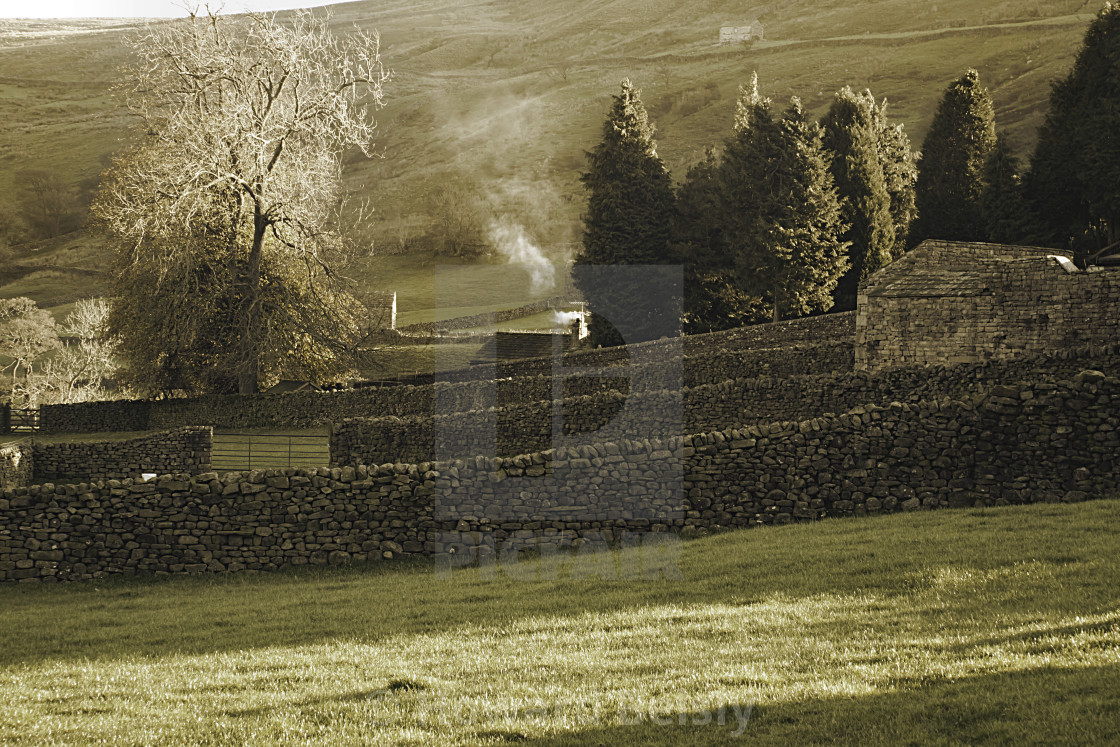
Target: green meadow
977,626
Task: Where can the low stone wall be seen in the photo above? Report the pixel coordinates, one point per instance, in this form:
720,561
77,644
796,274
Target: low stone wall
528,426
311,409
15,465
1048,441
480,320
96,417
180,450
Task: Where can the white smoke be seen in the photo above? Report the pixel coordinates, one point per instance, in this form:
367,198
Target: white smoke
510,240
563,319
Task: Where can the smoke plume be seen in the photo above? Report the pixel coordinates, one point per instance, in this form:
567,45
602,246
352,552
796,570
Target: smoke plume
511,241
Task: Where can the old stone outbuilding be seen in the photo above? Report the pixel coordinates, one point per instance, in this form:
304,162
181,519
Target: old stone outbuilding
956,302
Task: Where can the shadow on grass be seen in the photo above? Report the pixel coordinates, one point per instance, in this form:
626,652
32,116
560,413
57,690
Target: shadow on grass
1041,706
1075,546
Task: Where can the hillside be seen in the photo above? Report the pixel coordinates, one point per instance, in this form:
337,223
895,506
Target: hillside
504,97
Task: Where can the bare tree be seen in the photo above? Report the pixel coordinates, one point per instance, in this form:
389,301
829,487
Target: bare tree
244,125
457,213
27,333
48,204
80,368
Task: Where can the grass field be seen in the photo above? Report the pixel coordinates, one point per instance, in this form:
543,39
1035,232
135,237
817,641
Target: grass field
982,626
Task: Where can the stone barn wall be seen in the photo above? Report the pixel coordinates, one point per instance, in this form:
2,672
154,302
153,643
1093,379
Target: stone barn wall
951,302
1046,441
740,34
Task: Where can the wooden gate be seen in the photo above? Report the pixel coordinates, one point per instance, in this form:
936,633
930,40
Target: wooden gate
25,419
236,452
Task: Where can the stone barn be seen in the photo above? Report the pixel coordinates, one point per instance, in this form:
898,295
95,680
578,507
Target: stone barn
381,309
752,31
956,302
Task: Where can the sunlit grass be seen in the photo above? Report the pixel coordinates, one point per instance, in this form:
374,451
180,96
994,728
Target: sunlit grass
992,625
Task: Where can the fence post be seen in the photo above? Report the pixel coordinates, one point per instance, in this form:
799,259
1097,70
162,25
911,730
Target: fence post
6,418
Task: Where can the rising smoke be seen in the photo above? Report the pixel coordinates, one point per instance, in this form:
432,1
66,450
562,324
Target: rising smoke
511,241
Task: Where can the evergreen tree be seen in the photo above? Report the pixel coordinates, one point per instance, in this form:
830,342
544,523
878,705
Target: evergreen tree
950,173
852,139
782,213
630,206
1002,204
712,298
1074,181
900,174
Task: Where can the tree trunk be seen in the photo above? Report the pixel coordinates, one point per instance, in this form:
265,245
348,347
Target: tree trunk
248,372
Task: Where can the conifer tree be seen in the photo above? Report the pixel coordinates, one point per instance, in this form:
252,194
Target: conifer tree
1006,218
852,139
900,174
781,209
630,206
1074,180
950,173
712,299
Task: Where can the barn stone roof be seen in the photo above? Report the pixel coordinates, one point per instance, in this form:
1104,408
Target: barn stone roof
958,269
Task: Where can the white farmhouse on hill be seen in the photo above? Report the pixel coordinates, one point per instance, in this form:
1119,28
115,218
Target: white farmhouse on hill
752,31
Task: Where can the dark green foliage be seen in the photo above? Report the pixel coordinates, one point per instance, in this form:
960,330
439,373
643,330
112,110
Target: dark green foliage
1074,183
900,173
629,210
712,299
852,139
781,210
1002,203
950,173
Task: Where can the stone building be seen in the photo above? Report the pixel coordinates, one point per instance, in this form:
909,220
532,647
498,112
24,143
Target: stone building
381,308
738,34
956,302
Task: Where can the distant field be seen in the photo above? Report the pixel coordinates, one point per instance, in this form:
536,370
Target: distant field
503,99
979,626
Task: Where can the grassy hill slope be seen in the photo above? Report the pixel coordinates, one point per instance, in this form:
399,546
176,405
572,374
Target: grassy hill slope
978,626
504,97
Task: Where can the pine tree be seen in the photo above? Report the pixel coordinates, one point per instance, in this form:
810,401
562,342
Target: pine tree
851,137
900,173
712,299
781,209
1006,218
810,228
630,206
950,173
1074,180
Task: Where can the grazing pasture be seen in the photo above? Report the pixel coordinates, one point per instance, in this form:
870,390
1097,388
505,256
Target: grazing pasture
994,625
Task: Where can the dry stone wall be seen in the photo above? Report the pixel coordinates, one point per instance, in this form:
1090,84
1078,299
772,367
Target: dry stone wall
521,427
180,450
1047,441
705,364
15,464
96,417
